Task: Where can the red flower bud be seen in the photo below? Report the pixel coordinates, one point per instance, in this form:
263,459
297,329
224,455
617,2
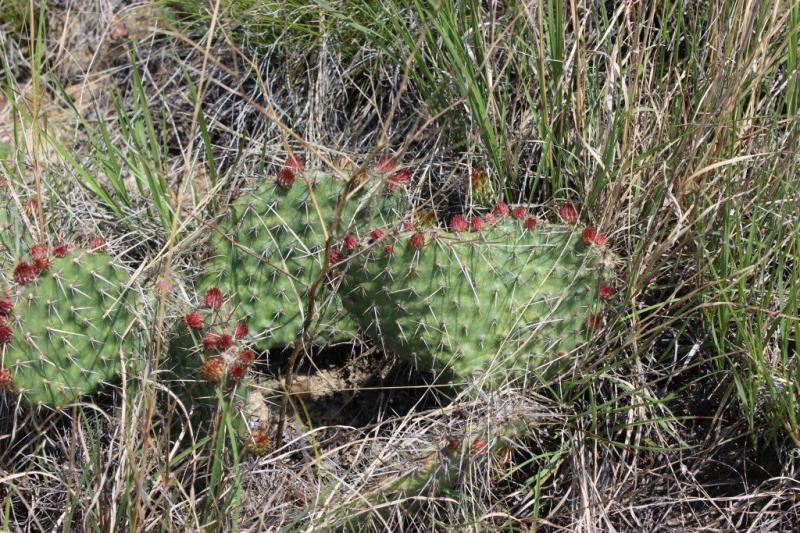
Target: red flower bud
568,213
193,320
213,298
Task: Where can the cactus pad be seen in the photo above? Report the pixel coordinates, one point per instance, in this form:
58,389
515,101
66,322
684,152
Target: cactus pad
268,251
493,303
67,323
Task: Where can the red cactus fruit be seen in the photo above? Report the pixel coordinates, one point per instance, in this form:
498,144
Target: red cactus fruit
241,330
459,223
237,372
606,291
417,241
96,243
247,357
163,287
501,209
193,320
294,162
350,242
401,177
285,178
594,321
38,250
518,213
335,255
568,213
5,377
41,263
24,273
6,334
389,249
376,234
588,236
213,369
600,240
60,250
224,342
489,218
408,225
479,445
210,341
257,442
530,222
385,165
6,306
476,224
213,298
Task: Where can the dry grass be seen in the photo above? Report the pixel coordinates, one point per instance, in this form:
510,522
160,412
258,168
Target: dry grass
674,125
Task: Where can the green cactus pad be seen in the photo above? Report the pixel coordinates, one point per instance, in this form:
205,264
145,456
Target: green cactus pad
491,304
71,326
268,251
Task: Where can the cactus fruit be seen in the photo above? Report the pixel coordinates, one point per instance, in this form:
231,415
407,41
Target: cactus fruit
568,213
269,250
484,303
66,324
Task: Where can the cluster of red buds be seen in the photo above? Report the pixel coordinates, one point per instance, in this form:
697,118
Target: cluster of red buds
38,261
224,345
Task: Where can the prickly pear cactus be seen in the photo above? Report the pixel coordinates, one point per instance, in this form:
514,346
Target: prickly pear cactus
66,324
492,297
210,366
268,251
